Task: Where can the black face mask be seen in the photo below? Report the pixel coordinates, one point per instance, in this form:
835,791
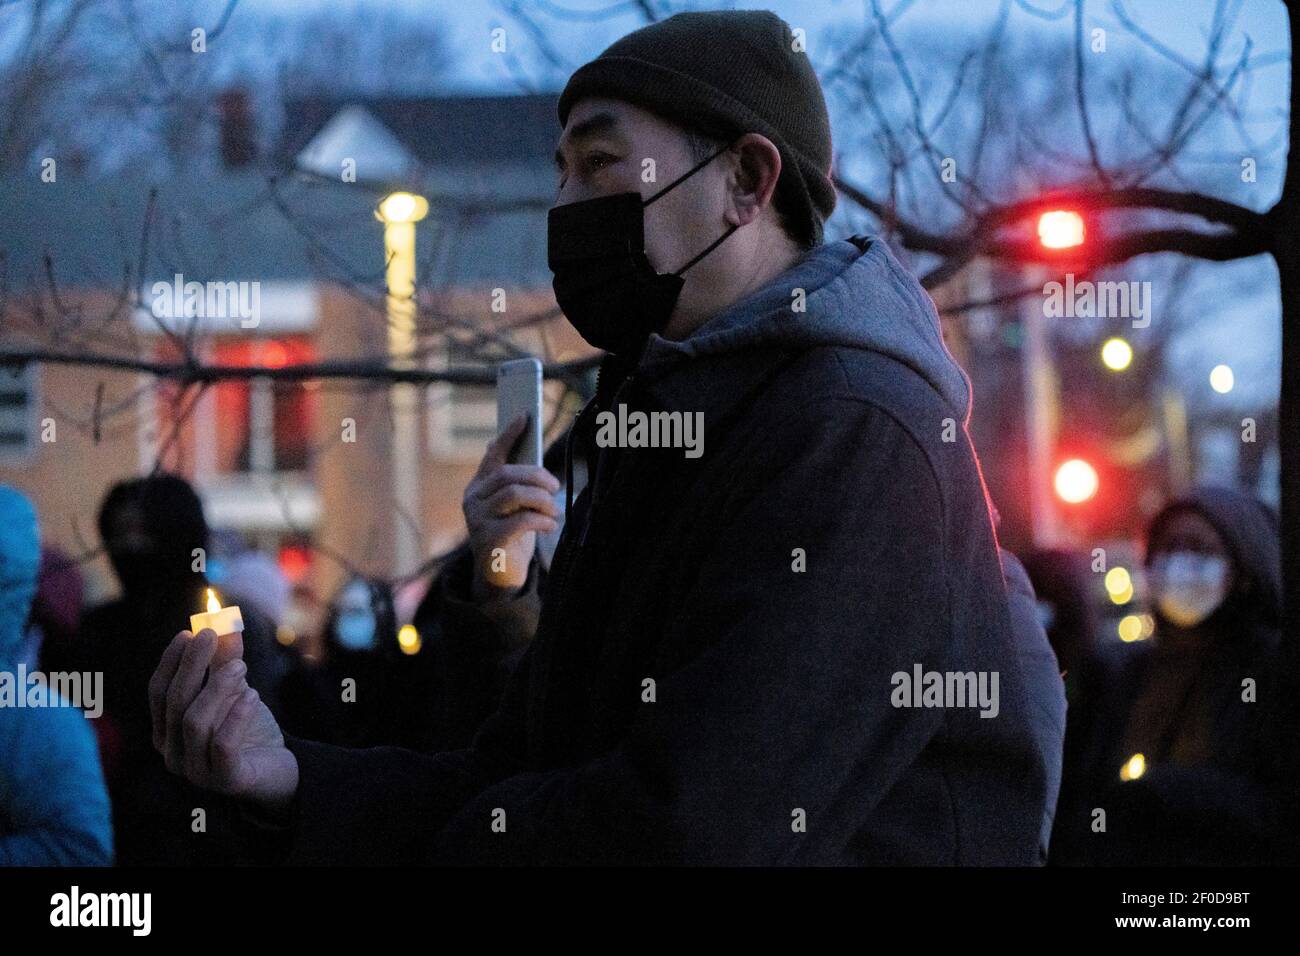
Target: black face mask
603,282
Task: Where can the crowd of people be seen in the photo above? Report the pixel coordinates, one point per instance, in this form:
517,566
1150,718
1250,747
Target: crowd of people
646,656
1204,794
62,772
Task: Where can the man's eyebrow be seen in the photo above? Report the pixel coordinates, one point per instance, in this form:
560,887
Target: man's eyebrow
591,126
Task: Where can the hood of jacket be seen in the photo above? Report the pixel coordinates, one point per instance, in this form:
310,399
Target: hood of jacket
856,294
20,557
1250,530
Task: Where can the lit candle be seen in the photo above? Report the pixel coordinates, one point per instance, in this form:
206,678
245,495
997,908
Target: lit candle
227,623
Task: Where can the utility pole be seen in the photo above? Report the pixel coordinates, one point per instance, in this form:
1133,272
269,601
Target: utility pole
399,212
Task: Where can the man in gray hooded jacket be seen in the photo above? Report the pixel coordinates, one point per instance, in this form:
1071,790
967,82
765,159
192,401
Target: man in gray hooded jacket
788,644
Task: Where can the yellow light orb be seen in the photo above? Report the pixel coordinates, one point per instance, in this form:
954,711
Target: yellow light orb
1221,379
1130,628
403,207
1118,580
409,640
1116,354
1133,768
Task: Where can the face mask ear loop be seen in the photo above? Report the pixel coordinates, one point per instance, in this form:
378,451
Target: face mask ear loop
711,246
685,176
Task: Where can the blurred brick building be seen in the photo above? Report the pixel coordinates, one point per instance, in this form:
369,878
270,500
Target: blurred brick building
271,459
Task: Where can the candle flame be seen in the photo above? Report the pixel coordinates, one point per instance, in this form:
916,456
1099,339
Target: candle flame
213,604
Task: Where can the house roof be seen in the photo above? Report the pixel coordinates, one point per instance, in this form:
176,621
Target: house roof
483,161
247,224
440,131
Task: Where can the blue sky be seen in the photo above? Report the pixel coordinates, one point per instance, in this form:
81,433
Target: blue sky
1243,327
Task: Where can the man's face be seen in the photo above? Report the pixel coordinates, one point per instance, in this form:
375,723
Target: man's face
603,151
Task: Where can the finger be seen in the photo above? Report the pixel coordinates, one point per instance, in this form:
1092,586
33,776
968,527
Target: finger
498,449
181,692
494,481
201,717
515,498
508,529
158,684
224,752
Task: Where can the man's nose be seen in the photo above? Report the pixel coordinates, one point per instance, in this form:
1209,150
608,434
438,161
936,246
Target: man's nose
573,191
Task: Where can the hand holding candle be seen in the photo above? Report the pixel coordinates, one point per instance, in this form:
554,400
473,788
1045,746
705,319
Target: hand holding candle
227,623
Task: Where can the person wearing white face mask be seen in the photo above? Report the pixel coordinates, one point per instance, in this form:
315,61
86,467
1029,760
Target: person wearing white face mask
364,691
1181,745
1189,586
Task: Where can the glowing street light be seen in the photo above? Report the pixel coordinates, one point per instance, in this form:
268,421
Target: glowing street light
399,212
1076,481
402,207
1116,354
1060,229
1221,379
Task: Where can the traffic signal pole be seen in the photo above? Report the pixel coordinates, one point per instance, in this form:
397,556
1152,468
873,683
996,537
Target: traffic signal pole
1042,411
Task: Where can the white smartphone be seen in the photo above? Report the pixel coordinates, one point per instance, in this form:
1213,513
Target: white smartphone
519,392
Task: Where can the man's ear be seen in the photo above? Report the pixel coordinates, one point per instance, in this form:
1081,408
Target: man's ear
757,167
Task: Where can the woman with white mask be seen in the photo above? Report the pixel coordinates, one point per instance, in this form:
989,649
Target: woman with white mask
364,690
1181,751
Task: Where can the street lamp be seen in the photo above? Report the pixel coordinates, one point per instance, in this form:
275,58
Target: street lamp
1221,379
1116,354
399,212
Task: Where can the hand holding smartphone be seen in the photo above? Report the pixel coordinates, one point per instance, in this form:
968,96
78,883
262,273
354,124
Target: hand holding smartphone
519,392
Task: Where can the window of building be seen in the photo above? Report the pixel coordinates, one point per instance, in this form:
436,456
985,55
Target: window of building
262,425
462,419
17,412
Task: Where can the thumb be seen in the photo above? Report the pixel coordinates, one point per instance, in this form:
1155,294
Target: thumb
230,647
227,741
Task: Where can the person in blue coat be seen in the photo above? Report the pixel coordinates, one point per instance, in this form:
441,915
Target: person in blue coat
54,808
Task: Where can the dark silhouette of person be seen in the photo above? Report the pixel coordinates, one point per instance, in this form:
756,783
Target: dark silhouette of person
155,534
1065,587
1168,749
366,690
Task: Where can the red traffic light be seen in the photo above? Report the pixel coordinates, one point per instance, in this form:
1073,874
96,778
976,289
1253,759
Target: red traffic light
1061,229
1075,481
